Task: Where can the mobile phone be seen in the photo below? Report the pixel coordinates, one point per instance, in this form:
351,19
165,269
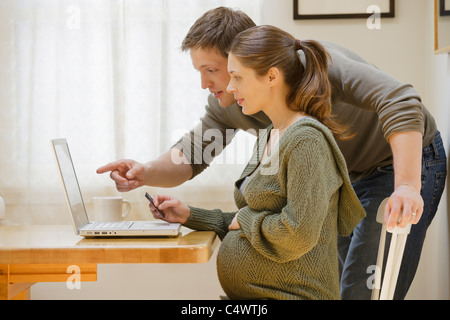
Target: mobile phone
149,198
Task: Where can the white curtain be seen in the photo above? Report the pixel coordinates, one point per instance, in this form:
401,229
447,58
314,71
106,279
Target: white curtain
109,76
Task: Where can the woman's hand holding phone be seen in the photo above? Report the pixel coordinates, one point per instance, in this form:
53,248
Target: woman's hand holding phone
169,209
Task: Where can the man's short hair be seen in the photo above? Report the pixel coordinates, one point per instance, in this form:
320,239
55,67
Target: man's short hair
216,29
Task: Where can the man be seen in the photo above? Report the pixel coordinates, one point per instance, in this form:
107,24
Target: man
396,151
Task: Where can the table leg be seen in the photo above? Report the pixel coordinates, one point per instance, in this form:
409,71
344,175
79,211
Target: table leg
16,279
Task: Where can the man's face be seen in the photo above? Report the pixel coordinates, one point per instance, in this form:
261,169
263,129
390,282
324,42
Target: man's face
213,68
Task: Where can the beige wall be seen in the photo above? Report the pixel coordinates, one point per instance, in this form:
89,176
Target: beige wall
398,47
403,47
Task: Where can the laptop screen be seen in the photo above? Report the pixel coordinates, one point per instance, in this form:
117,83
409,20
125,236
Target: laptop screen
70,182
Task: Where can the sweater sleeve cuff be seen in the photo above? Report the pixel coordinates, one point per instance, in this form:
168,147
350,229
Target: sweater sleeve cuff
198,219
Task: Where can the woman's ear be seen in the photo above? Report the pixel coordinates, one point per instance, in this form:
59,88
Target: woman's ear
273,76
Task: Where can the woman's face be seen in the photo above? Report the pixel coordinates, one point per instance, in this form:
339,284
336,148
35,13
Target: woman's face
252,92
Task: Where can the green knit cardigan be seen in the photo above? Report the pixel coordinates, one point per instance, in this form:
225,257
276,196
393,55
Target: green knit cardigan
291,211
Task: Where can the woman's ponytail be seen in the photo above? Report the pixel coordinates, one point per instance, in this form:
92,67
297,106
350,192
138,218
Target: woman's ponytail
312,91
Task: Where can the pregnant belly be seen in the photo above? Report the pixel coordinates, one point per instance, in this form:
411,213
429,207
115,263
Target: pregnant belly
244,273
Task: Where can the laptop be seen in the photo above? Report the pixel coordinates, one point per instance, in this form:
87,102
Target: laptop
77,209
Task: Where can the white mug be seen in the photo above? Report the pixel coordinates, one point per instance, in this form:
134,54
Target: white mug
110,208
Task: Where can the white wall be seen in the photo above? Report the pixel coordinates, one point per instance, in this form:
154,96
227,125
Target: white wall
404,48
433,277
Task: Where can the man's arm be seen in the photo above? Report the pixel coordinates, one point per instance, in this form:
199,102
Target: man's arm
406,199
401,115
167,173
173,167
186,158
162,172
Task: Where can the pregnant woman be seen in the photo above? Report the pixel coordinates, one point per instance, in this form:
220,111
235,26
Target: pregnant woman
294,196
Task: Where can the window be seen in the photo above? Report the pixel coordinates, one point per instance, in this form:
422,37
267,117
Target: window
107,75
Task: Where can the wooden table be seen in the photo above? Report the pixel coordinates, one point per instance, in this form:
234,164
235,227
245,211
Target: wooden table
30,254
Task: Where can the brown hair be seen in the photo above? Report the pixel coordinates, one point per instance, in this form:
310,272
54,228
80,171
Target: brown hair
263,47
216,29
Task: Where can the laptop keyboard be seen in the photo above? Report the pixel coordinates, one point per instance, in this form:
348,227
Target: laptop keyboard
113,225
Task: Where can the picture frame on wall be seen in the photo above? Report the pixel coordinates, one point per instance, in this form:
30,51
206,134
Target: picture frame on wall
342,9
444,7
